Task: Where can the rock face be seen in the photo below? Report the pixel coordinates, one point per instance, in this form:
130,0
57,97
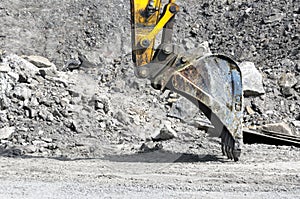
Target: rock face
80,93
252,79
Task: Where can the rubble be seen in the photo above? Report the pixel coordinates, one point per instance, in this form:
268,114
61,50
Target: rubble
96,99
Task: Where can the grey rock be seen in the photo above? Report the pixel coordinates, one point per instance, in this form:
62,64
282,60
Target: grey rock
19,64
252,79
296,123
150,146
107,105
274,17
183,109
72,64
166,133
14,76
48,140
287,80
200,49
30,149
202,124
89,59
39,61
22,92
298,65
292,107
99,105
6,132
287,91
4,68
39,143
30,112
279,127
189,43
122,117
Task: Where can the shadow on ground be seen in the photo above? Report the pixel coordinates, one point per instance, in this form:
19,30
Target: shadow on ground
162,156
158,156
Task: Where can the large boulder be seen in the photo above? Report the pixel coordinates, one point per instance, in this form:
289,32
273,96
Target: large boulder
252,79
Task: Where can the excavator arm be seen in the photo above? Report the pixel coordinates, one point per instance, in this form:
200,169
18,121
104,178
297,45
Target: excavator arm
212,82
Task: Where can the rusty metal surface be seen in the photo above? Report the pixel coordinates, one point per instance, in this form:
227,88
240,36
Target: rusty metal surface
213,83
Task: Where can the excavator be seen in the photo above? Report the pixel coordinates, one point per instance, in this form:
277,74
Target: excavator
213,82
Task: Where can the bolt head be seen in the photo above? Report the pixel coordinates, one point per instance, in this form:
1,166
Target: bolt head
173,9
145,43
143,73
167,49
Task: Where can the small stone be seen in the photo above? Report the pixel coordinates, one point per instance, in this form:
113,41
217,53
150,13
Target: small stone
122,117
287,80
39,143
4,68
166,133
89,58
278,127
292,107
252,79
14,76
6,132
189,43
298,65
48,140
287,91
98,105
172,100
150,146
183,109
249,110
30,149
296,123
274,17
22,92
39,61
201,124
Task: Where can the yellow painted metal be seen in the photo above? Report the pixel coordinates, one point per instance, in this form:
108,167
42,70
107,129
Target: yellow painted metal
142,25
160,25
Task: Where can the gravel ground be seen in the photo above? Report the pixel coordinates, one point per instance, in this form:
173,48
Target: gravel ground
271,174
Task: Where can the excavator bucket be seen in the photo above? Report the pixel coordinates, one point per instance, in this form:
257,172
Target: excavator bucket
213,83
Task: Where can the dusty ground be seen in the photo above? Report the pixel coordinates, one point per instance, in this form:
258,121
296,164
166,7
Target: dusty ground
265,173
78,134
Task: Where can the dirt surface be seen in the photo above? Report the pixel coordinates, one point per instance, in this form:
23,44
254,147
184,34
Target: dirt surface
267,172
81,125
